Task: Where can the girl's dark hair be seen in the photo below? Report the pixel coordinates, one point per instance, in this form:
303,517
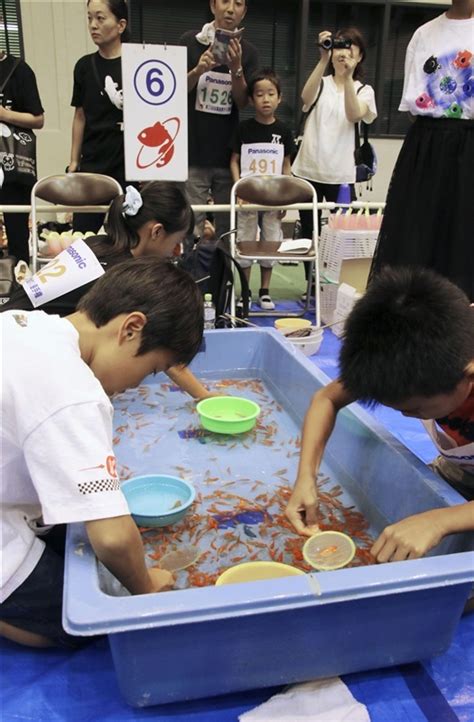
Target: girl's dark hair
410,335
119,8
356,38
163,203
264,74
167,295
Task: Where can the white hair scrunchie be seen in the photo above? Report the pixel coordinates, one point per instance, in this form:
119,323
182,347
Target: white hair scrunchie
133,201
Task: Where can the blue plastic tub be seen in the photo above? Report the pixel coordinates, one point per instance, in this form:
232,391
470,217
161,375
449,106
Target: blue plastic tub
157,499
201,642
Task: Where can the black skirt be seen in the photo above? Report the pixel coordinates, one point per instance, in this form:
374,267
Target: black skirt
429,216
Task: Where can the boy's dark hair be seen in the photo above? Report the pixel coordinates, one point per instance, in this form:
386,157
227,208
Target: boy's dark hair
356,38
264,74
411,334
167,295
163,202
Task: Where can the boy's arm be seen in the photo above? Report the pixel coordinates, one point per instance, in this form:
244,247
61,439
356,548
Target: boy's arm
118,545
187,381
317,428
235,167
286,170
414,536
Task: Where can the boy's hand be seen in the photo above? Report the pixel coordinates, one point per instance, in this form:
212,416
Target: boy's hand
161,579
409,538
234,55
303,506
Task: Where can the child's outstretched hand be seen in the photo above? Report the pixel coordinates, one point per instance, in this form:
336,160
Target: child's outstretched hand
409,538
302,508
161,579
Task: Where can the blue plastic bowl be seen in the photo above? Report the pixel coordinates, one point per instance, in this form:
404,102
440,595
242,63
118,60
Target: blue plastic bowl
158,500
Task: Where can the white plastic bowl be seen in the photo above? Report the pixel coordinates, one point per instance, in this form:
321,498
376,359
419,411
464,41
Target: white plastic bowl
309,345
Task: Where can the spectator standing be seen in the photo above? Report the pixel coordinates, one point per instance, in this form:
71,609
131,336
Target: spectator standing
97,128
428,218
335,103
261,146
216,93
20,105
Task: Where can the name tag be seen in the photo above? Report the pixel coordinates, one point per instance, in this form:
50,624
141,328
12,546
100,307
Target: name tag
72,268
214,93
261,159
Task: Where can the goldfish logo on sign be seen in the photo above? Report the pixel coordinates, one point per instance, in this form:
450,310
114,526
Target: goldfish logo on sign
158,143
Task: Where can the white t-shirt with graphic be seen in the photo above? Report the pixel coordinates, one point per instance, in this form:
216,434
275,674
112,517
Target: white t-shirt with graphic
326,153
57,462
439,70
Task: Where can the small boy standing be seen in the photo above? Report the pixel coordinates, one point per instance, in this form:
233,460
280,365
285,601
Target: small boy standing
261,146
58,464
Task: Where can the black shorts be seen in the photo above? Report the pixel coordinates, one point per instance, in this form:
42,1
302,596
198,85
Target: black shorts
36,605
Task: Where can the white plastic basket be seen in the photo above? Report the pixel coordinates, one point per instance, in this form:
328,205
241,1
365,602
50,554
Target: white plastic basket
336,245
328,300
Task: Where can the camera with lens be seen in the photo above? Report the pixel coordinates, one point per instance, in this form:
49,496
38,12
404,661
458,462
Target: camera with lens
332,43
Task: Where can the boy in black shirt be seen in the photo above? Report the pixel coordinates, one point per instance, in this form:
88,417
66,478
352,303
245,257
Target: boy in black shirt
261,146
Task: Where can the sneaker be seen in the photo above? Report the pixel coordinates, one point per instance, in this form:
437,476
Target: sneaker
266,303
240,302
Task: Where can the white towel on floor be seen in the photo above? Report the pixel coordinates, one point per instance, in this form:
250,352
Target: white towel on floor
324,700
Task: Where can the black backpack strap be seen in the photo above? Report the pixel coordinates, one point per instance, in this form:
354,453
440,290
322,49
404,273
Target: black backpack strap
305,115
365,127
95,70
15,65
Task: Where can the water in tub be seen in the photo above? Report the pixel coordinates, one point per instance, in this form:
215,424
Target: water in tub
242,482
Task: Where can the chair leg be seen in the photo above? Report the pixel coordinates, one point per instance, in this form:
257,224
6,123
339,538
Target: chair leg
288,314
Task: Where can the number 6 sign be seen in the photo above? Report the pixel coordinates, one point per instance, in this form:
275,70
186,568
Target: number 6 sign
155,82
155,112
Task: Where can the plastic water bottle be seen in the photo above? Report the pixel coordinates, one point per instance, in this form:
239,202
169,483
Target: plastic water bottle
209,312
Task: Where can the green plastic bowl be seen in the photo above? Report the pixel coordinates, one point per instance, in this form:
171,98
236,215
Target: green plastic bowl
228,414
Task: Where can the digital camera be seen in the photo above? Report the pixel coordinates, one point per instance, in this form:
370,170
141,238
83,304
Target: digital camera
331,43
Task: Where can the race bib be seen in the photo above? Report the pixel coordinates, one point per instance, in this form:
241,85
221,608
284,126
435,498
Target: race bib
261,159
214,93
72,268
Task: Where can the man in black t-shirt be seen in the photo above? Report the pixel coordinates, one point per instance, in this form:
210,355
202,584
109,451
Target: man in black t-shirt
20,106
215,95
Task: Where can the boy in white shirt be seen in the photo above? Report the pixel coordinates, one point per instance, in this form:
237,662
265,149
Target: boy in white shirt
58,464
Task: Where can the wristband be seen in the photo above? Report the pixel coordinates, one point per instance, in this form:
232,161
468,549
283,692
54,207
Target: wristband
238,73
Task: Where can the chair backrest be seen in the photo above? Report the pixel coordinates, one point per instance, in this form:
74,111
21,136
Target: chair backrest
274,190
81,189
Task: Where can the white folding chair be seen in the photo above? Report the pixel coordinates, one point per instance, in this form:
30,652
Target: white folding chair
276,192
69,189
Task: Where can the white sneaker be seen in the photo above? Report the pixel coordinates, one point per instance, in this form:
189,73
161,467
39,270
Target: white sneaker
266,303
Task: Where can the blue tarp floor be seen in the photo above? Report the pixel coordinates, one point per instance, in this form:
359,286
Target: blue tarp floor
58,686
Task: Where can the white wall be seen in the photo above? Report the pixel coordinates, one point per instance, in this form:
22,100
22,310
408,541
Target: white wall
55,36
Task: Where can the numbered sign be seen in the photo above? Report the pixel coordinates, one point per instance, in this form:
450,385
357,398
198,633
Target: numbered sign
72,268
155,111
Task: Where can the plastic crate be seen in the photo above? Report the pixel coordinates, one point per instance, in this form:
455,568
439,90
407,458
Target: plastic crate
345,299
328,300
337,245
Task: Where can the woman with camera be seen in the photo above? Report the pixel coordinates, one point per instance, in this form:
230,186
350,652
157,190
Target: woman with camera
334,103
